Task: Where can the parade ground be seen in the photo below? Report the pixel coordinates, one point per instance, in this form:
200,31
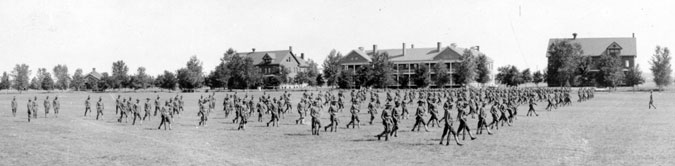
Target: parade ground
611,129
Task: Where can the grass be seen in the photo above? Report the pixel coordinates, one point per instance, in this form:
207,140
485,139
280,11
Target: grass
612,129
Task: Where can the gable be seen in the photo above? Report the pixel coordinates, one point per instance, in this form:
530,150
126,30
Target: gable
614,45
354,57
447,54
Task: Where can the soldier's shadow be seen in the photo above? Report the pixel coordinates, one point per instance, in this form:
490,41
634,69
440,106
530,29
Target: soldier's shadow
364,140
296,134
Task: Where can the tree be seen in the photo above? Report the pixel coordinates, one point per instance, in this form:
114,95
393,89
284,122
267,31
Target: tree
141,80
509,75
382,70
308,76
364,76
35,84
583,75
62,77
243,73
218,77
422,77
119,74
319,80
562,58
105,82
166,81
634,77
442,76
47,82
526,76
78,80
610,72
4,81
272,81
345,79
192,76
20,77
466,71
331,67
537,78
482,70
661,68
283,74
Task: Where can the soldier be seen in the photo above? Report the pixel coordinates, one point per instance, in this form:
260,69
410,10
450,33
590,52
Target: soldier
35,107
461,116
57,106
332,111
316,122
531,110
434,114
260,106
157,105
164,115
651,100
123,110
301,112
29,107
243,115
275,114
14,106
386,122
372,111
482,120
87,106
419,117
447,129
202,113
181,103
355,117
47,105
147,108
118,104
99,108
395,119
136,112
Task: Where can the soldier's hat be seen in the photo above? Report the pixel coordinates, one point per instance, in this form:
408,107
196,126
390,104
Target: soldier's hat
147,98
387,105
420,102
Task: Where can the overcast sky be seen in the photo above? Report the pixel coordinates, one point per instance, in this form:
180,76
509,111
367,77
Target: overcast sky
162,35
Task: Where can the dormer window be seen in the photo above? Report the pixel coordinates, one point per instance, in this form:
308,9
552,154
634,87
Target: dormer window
614,49
267,59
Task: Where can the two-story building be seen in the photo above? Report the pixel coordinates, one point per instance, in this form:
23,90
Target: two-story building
623,47
406,60
271,62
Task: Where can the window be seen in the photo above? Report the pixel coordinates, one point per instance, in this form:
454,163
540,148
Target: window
614,52
627,63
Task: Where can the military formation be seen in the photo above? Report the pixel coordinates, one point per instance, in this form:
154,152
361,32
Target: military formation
442,108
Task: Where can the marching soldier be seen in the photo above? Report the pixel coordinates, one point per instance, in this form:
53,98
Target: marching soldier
14,106
355,117
202,113
386,122
57,106
35,107
447,129
29,107
87,106
164,115
332,111
372,111
136,113
99,108
651,100
419,117
147,108
47,104
157,105
118,104
531,110
316,122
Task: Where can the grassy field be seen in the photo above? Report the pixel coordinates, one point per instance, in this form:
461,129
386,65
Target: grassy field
613,129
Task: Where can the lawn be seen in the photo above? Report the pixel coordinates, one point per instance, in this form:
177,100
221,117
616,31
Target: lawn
612,129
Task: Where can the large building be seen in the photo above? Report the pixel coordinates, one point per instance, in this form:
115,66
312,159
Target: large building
623,47
271,62
407,59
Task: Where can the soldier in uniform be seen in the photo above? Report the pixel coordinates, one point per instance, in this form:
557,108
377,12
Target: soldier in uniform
243,116
118,104
57,106
87,106
14,106
419,117
164,115
447,129
355,117
136,112
99,108
531,110
332,111
434,114
372,111
35,107
386,122
202,113
651,99
47,104
29,107
316,122
482,120
272,108
463,127
157,105
147,108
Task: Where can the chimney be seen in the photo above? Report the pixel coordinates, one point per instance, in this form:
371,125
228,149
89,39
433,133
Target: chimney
93,69
403,51
302,55
477,48
361,49
253,49
290,48
574,35
374,49
412,46
633,35
438,46
453,45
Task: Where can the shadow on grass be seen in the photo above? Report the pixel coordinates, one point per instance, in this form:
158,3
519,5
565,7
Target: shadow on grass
297,134
364,140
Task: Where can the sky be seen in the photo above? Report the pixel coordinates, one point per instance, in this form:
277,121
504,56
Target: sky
162,34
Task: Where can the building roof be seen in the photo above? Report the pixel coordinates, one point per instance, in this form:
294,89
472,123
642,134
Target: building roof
422,54
597,46
94,74
277,56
